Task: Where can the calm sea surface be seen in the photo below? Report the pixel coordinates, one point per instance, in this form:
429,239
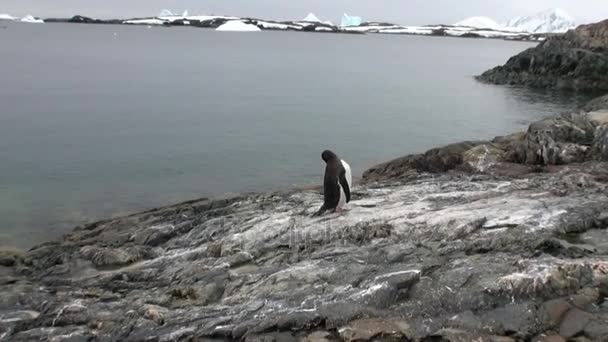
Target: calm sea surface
101,120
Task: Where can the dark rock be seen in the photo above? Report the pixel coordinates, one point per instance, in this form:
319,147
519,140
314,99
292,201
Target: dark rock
577,60
435,160
599,103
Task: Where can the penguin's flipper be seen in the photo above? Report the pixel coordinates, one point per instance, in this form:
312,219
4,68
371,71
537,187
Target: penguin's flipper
345,186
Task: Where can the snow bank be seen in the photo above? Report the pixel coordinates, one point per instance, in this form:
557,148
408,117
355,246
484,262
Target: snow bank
238,26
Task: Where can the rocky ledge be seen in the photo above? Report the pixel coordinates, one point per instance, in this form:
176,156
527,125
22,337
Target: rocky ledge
488,241
577,60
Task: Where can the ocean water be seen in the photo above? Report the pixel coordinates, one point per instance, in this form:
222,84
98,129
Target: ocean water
102,120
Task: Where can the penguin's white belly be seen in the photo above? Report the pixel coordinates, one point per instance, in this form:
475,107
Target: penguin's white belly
342,200
349,180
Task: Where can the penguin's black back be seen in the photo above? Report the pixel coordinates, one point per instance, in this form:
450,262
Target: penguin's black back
334,176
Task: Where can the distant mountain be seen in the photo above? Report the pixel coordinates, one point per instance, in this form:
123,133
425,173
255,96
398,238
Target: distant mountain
479,22
549,21
311,17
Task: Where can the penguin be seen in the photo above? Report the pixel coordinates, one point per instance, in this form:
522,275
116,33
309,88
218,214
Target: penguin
337,183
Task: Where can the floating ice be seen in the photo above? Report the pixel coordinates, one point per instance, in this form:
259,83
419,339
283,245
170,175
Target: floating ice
237,25
348,20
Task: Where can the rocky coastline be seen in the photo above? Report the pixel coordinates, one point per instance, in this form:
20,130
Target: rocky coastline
214,22
499,240
577,60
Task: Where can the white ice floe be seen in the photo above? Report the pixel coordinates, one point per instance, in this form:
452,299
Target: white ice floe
238,26
324,29
479,22
30,19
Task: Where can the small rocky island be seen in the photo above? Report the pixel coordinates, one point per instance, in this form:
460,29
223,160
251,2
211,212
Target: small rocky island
500,240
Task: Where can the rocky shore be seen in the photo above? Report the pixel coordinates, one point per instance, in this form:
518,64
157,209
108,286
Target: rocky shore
500,240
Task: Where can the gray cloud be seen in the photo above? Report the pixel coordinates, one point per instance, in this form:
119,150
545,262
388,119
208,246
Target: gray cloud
400,11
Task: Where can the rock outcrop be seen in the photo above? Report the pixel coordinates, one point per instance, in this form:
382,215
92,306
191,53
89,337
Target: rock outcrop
564,139
576,60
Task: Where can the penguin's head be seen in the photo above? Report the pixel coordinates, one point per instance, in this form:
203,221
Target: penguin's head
328,155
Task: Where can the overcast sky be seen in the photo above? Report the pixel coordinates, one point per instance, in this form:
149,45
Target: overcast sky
411,12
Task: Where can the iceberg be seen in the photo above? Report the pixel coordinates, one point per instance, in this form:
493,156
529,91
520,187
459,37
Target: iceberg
30,19
348,20
237,26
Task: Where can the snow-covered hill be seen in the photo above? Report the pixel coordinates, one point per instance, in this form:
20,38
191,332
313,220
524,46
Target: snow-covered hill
27,19
549,21
479,22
